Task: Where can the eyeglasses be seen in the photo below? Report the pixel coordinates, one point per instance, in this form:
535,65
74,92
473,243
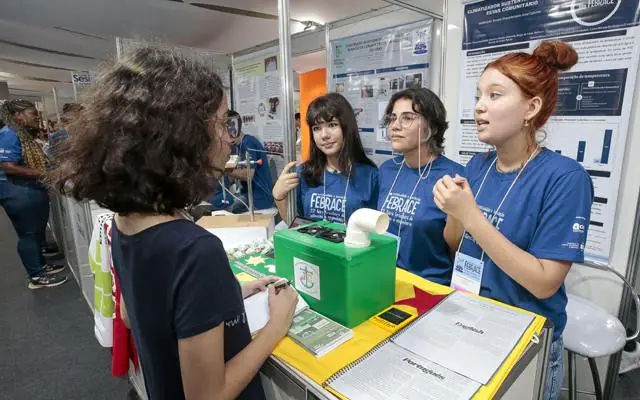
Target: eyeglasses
406,119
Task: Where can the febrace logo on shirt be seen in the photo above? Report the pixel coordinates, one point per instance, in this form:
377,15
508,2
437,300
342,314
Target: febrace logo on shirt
401,208
329,204
490,214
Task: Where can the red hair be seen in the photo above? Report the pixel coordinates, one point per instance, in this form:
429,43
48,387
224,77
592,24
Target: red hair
537,74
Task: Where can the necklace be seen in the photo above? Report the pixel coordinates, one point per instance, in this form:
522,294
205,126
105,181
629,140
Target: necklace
529,156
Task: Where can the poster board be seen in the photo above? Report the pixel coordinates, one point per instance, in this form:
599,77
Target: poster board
369,68
257,97
591,122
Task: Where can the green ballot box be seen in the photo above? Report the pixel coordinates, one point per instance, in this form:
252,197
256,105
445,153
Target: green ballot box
348,285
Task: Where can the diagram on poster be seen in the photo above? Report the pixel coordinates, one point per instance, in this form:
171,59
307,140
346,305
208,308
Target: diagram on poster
369,68
257,94
591,120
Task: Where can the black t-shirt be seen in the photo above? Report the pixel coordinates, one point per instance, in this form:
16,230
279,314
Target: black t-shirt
176,282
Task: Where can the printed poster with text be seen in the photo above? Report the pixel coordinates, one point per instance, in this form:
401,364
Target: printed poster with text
369,68
591,121
257,96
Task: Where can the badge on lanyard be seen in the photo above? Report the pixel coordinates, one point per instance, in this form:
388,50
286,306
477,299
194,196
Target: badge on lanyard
467,270
467,273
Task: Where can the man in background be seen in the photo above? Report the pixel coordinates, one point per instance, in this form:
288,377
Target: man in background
259,173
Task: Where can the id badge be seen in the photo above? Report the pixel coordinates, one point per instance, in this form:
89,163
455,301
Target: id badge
397,238
467,273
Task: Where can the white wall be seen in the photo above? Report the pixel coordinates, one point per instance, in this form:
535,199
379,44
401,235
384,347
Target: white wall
602,288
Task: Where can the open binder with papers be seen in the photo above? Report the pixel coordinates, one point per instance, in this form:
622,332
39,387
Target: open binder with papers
450,352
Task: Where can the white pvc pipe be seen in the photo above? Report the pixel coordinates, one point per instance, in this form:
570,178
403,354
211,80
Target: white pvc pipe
361,223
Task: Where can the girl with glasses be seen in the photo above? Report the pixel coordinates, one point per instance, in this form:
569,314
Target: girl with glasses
416,122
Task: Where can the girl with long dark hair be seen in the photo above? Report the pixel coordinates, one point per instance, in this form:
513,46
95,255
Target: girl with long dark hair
338,178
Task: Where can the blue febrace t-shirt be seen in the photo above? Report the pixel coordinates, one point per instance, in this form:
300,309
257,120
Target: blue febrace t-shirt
416,219
328,200
547,214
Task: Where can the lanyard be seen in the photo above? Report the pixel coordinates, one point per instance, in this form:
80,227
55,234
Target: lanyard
420,178
503,199
344,197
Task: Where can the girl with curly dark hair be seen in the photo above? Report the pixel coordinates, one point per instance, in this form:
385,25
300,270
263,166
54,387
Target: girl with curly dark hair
416,121
149,142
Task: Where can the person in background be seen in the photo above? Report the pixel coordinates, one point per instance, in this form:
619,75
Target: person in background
338,178
416,121
520,214
151,139
22,194
59,136
259,173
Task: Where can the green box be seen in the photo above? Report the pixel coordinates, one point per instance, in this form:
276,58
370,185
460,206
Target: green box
348,285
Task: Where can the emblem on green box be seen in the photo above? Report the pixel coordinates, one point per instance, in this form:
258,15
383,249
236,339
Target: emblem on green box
347,283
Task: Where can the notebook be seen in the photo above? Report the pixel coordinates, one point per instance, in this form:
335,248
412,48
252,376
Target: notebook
391,372
318,334
257,309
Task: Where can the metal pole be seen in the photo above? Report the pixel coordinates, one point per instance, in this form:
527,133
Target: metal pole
286,75
328,54
75,89
250,186
444,32
55,104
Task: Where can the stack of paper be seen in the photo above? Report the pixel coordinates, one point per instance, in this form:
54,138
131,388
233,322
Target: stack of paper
317,333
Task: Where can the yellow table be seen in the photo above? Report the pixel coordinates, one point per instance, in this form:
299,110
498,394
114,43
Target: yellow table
292,366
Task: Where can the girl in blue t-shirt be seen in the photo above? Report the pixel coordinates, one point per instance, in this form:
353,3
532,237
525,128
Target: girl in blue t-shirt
416,121
338,178
519,217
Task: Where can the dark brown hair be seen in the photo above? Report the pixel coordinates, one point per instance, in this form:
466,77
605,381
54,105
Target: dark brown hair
429,105
143,141
537,74
324,109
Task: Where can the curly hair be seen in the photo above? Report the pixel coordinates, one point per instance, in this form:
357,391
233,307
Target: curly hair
429,105
143,142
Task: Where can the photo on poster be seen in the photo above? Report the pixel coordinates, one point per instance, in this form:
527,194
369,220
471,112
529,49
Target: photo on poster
413,81
366,92
382,130
274,147
271,64
383,87
339,87
274,108
262,109
357,111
